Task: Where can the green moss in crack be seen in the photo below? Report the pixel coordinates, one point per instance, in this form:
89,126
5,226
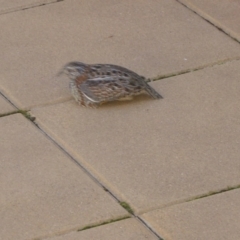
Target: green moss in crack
210,193
220,62
27,115
127,207
7,114
103,223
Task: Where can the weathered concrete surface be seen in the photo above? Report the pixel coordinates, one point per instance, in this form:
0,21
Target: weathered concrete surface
42,191
150,37
129,229
150,154
215,217
222,13
155,152
7,6
5,107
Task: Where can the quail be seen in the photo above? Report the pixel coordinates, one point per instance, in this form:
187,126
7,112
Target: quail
94,84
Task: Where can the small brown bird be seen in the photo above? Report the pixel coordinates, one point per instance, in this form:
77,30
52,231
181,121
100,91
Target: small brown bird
92,85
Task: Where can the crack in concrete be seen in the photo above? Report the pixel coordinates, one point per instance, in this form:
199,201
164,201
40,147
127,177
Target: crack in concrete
22,8
209,65
159,77
211,193
85,170
209,21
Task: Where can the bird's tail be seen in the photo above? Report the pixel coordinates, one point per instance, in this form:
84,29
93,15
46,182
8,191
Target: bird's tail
152,92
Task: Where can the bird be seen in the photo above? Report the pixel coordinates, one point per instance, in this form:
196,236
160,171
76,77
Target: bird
94,84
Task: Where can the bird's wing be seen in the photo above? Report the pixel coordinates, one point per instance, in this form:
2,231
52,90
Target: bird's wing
102,89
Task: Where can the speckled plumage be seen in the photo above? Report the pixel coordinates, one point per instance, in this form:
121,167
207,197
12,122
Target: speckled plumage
92,85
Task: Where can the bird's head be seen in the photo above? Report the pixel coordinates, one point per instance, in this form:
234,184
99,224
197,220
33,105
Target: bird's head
73,69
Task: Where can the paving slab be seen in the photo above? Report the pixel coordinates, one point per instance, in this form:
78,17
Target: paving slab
222,13
216,217
150,37
128,229
42,191
152,153
7,6
5,106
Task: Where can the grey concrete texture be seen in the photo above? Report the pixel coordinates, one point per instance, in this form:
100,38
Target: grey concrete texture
152,153
43,192
7,6
222,13
129,229
150,37
5,106
214,217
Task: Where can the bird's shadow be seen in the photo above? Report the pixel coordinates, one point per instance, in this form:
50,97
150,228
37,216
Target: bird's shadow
136,99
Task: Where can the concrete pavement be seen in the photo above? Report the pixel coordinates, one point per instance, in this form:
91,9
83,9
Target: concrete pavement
145,169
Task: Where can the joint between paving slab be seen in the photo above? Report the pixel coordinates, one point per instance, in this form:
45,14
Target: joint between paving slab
76,162
8,113
26,114
150,228
27,7
62,233
103,223
168,75
190,199
8,100
125,205
227,189
219,28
